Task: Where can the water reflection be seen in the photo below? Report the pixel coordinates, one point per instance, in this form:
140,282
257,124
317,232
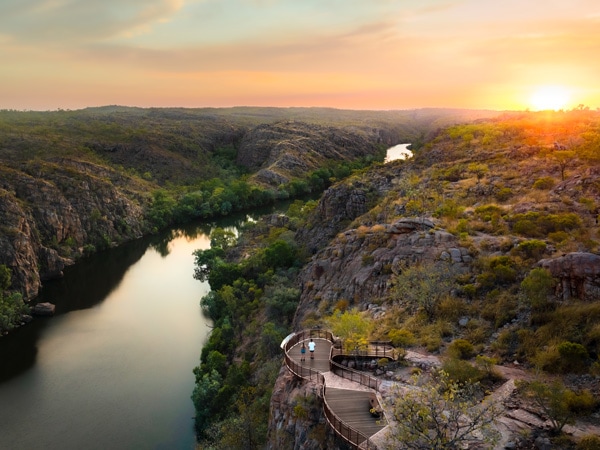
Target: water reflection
113,367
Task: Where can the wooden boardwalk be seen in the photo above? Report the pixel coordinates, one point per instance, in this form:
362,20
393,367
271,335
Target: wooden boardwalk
321,356
352,407
350,403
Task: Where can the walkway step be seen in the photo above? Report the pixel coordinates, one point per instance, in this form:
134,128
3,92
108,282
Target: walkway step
352,407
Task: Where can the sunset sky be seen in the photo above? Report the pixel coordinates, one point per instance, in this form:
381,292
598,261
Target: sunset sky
358,54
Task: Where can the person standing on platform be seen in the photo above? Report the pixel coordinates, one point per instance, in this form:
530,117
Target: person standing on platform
311,349
302,352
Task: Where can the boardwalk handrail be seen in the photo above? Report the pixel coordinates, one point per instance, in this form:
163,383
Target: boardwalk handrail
374,349
345,431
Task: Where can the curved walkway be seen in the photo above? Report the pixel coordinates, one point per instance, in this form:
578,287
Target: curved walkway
346,403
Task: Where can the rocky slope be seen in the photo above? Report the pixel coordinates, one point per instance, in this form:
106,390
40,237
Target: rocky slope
280,151
367,228
52,210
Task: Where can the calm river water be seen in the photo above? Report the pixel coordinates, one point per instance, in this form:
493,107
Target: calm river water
113,368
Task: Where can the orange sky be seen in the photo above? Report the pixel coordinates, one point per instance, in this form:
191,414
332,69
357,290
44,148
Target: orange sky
359,54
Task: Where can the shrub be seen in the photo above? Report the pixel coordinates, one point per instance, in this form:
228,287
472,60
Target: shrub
589,443
503,194
558,236
461,349
574,357
341,305
462,371
537,287
544,183
532,249
401,337
559,403
548,360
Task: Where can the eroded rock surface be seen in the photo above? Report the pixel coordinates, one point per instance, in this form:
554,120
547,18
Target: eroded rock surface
578,275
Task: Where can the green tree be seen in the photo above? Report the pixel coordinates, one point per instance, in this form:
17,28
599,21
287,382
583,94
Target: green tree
351,326
162,209
441,414
564,159
479,170
222,239
280,254
204,397
12,306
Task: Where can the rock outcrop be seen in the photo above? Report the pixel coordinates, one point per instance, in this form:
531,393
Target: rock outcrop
278,152
296,416
578,275
52,210
357,265
43,309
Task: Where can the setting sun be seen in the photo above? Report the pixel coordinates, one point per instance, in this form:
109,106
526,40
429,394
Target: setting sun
549,97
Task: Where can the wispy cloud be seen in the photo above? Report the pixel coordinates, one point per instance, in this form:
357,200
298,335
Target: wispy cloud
72,22
443,52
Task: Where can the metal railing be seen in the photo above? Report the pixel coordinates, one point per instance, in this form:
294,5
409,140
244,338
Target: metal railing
372,350
345,431
354,375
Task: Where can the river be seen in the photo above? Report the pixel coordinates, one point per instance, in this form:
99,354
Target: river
399,151
113,368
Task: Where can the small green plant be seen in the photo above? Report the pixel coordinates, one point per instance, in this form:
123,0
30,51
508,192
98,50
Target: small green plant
300,411
462,371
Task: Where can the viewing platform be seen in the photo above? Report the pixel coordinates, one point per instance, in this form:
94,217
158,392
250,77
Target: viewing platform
348,394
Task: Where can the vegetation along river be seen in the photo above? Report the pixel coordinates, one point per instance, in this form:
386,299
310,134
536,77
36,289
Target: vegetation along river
113,368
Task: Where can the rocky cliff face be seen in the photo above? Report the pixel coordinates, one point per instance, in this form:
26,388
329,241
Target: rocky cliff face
344,202
297,421
52,209
281,151
357,265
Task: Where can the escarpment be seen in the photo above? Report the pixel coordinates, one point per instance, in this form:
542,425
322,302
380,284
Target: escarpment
357,265
55,211
278,152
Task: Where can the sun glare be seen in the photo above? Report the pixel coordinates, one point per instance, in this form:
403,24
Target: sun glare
549,97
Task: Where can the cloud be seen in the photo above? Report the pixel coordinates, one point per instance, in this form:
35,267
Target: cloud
68,22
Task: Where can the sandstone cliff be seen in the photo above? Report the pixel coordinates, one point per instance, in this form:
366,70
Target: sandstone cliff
278,152
52,210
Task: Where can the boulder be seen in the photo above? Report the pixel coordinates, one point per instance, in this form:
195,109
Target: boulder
43,309
578,275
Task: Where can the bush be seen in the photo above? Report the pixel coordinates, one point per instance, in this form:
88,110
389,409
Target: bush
533,249
462,371
544,183
559,403
401,338
537,287
574,357
461,349
503,194
589,443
